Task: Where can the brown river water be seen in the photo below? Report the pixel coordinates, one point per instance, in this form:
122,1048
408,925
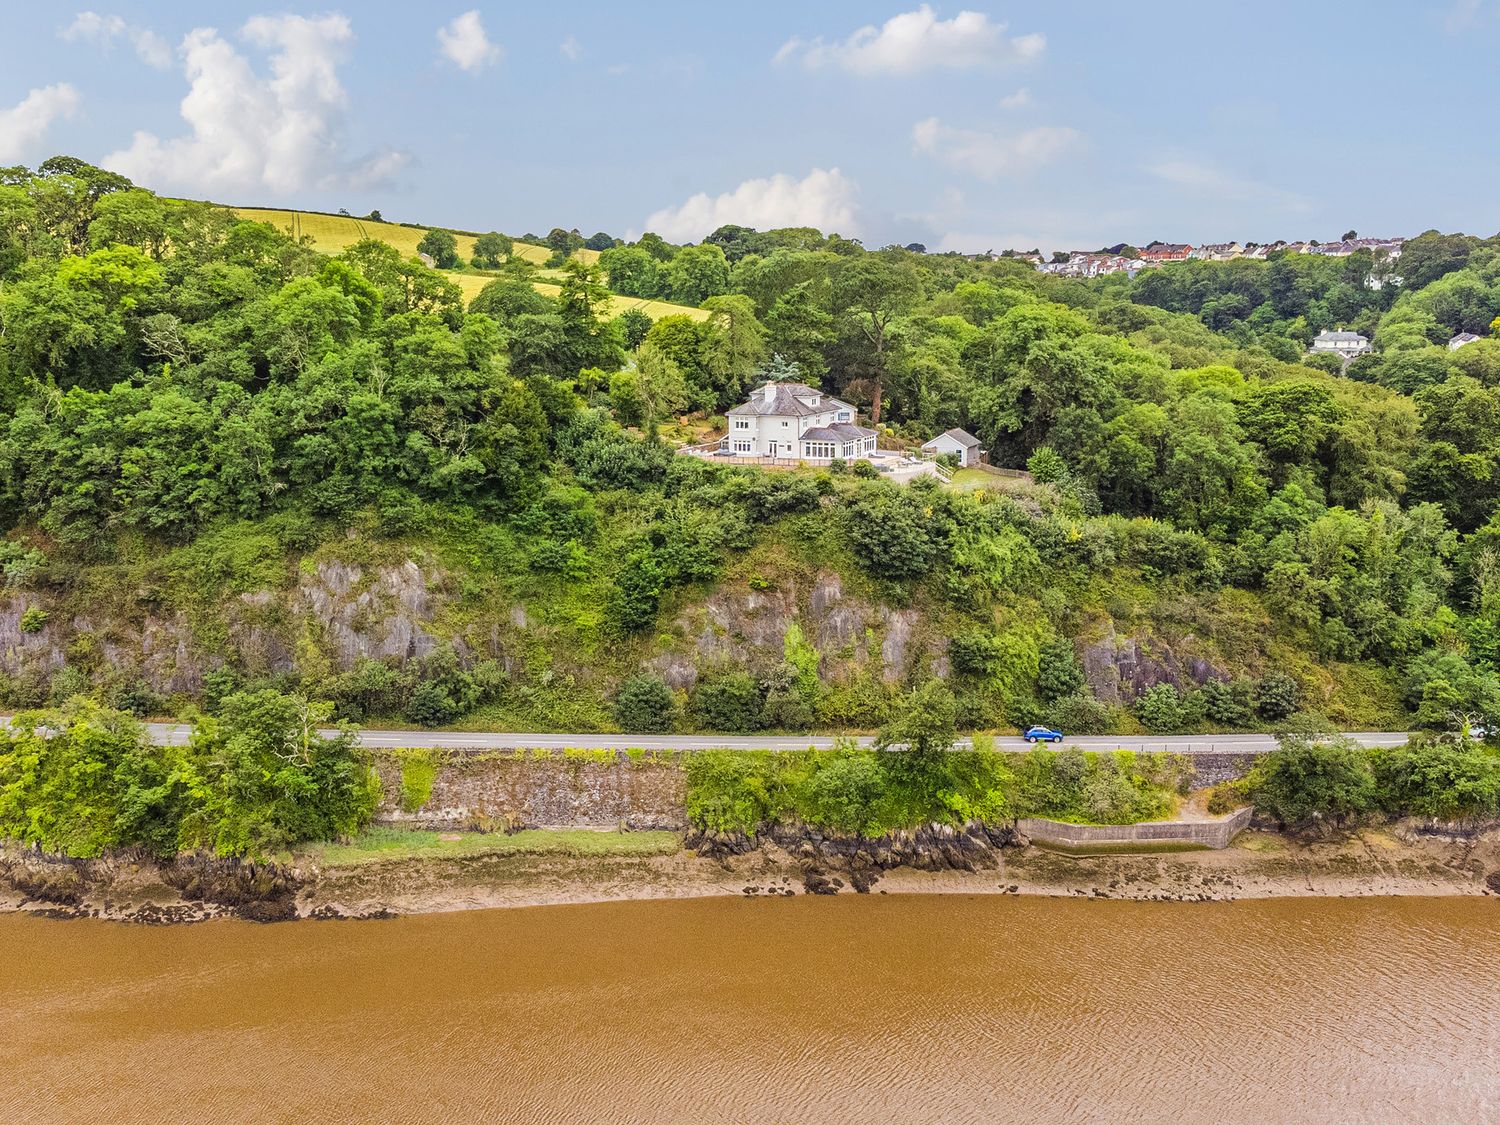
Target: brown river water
907,1009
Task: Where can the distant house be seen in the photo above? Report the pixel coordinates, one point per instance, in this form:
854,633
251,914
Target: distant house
796,422
1345,344
1218,251
1460,340
960,443
1167,252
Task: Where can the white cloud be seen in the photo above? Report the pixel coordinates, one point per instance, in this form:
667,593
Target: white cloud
280,133
987,155
1020,99
24,125
571,49
464,42
1199,179
917,41
822,199
91,27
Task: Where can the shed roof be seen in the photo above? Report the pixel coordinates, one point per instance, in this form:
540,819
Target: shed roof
963,437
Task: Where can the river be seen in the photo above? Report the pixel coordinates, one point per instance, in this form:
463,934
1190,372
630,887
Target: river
914,1008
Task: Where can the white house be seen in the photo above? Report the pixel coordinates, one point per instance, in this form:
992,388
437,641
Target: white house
1345,344
1460,340
789,420
961,443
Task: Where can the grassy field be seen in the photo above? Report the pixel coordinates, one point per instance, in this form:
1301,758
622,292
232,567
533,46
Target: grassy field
333,233
379,845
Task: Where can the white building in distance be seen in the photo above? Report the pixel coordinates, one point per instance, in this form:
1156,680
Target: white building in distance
1347,345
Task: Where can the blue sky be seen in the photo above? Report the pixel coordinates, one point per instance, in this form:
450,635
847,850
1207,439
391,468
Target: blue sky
1068,124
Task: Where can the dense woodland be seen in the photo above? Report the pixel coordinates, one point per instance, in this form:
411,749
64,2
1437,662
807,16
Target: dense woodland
180,385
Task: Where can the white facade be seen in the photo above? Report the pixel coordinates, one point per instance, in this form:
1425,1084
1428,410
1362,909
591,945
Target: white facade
792,421
1346,344
964,445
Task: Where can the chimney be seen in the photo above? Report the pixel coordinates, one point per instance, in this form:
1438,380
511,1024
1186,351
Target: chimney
770,389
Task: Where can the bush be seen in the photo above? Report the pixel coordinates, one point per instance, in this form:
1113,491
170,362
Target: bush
729,790
1276,697
975,653
33,619
865,470
1441,780
1313,779
1078,714
1059,674
844,793
730,702
1160,709
1226,704
645,705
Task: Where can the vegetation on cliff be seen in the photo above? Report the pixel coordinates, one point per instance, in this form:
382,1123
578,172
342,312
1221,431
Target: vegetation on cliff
231,462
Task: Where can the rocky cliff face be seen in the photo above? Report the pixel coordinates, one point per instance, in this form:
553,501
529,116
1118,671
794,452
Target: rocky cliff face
739,627
1120,668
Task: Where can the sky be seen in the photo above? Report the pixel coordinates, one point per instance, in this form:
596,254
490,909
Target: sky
1071,124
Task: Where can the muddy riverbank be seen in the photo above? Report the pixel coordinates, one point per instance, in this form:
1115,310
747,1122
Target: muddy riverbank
1392,861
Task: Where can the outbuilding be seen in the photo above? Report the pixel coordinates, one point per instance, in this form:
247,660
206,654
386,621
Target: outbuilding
958,442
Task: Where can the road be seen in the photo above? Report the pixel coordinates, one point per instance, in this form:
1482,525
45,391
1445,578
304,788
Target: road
176,733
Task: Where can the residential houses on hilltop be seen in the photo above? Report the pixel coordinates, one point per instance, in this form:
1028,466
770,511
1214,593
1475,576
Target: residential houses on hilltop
1090,263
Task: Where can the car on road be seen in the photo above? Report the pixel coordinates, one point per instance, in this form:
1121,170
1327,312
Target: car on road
1042,734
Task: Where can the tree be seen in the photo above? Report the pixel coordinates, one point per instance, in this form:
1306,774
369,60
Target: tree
599,241
441,247
870,292
631,271
919,738
733,345
1309,779
696,273
490,248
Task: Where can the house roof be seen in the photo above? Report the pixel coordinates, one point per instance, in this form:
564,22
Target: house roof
1341,338
786,402
1463,338
839,431
963,437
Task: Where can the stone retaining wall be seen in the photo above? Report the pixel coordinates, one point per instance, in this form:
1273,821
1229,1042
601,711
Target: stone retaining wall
530,788
1210,767
1207,833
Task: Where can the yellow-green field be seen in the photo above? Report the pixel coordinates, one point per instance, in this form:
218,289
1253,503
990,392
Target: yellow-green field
333,233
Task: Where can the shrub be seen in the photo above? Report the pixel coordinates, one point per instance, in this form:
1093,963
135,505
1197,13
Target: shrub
1079,714
728,790
33,619
1046,466
975,653
729,702
843,794
418,771
1160,709
1440,780
865,469
645,705
1276,696
1309,779
1226,704
1059,674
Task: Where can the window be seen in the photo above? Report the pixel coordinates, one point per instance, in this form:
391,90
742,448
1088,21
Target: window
819,449
844,416
742,423
742,447
784,425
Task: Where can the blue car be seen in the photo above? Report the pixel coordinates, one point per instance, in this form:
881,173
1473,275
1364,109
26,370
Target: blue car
1042,734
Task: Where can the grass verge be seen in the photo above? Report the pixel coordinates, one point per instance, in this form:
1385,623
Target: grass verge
385,845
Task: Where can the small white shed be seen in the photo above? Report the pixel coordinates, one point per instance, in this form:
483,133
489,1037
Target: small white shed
960,442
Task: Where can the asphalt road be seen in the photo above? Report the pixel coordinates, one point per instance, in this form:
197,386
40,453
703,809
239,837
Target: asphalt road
176,733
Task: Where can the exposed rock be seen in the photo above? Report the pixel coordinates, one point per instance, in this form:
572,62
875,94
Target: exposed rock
1119,669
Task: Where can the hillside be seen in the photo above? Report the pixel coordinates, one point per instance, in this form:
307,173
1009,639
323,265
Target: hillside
232,460
332,234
